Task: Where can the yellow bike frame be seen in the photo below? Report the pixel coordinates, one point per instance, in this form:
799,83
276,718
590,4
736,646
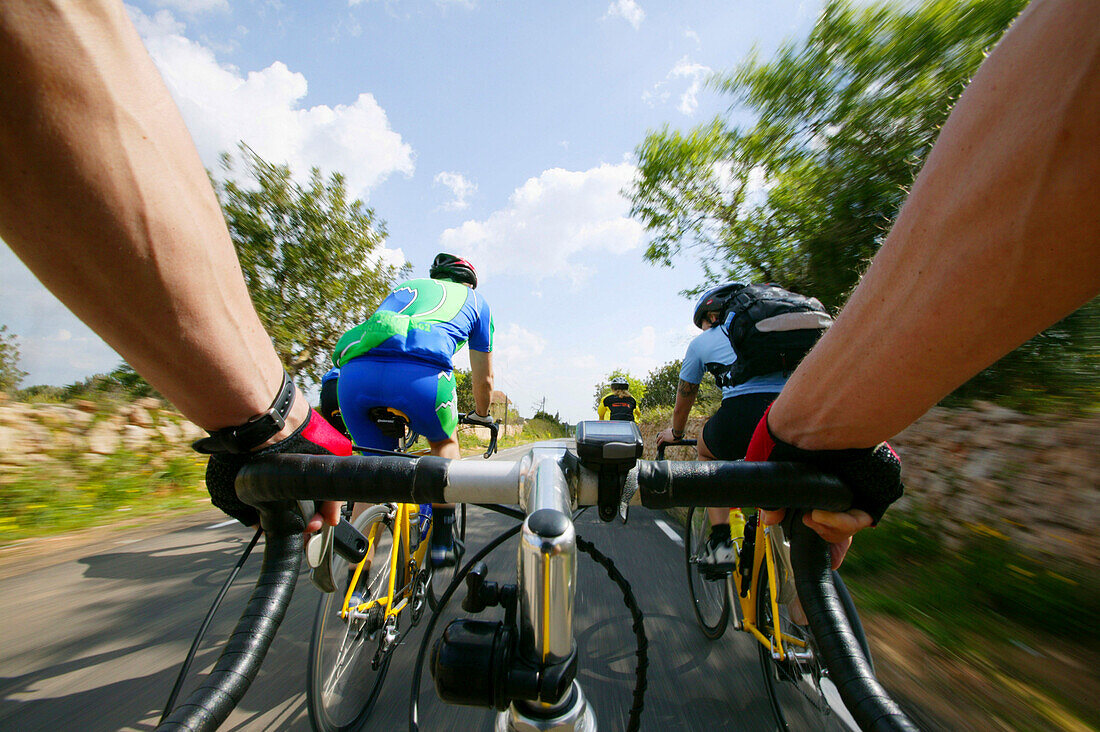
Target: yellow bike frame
763,559
396,598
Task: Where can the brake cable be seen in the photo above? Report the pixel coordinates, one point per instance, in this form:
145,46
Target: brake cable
203,628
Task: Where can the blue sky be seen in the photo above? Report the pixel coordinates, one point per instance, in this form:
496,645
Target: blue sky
501,131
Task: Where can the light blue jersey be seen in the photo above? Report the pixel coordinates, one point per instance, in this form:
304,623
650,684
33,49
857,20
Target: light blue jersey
713,347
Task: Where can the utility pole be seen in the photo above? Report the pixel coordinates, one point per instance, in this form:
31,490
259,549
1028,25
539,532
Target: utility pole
505,415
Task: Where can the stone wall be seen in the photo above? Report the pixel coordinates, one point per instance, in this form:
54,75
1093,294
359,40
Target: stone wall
41,433
1033,479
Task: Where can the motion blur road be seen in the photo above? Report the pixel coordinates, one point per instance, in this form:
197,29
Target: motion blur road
95,642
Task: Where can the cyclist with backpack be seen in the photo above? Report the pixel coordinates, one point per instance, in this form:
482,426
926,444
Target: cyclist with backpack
619,403
753,337
397,365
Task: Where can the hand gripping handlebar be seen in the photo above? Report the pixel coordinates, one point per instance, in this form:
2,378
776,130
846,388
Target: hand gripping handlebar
275,483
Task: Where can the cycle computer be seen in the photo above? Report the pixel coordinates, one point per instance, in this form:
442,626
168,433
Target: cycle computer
613,443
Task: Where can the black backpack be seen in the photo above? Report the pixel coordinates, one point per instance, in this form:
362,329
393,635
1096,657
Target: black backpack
772,330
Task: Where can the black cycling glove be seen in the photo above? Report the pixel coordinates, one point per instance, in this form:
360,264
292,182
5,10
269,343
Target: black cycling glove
314,437
873,473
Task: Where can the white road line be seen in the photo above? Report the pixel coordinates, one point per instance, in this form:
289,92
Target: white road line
669,532
223,523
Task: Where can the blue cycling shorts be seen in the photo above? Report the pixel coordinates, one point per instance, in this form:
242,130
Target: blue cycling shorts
425,393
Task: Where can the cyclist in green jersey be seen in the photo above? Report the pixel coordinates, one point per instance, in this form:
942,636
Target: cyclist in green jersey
401,359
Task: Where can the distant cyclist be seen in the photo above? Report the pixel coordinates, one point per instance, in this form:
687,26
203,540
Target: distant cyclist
726,435
619,404
399,364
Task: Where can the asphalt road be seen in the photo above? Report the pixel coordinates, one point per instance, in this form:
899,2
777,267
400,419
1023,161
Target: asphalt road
94,642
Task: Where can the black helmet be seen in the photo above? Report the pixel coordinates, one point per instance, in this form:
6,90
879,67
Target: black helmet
620,382
714,301
456,269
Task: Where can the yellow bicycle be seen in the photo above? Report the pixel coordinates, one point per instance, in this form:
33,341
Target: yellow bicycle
758,597
373,604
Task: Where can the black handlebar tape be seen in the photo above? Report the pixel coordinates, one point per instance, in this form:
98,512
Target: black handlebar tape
870,705
209,705
359,478
664,484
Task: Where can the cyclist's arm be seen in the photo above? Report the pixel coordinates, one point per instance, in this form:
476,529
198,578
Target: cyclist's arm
686,393
481,380
103,196
999,238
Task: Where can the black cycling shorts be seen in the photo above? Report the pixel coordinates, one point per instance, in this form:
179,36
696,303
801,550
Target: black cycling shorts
729,431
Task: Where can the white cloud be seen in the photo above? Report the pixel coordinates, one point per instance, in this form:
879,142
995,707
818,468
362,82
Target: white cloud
628,10
549,222
695,74
693,36
221,105
460,188
193,7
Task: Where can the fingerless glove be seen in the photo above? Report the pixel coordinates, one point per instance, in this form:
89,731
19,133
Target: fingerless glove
873,473
314,437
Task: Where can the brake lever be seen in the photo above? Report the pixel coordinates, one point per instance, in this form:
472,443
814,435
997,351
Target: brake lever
319,557
630,487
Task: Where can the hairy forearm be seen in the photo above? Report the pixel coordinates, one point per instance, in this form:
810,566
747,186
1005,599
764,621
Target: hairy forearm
997,241
103,196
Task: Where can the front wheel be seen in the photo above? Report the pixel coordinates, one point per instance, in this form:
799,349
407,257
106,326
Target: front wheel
710,596
793,682
345,674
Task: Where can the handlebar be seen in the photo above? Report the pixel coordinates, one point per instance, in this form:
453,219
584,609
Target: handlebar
675,443
275,483
209,705
494,427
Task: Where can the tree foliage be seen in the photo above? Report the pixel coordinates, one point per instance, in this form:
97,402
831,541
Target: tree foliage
310,257
804,195
845,118
661,385
10,373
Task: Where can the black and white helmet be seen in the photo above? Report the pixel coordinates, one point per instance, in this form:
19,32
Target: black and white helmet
714,301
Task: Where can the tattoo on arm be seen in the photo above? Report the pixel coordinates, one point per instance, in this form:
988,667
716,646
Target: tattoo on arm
687,389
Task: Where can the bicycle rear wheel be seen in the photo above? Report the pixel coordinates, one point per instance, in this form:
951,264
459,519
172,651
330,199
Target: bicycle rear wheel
346,670
710,597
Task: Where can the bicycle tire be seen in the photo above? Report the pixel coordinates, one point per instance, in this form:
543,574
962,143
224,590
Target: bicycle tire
340,699
709,598
793,683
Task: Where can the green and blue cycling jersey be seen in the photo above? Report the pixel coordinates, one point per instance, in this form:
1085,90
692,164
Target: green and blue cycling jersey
423,319
401,358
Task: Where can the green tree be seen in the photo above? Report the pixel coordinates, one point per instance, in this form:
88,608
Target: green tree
464,390
661,385
844,120
310,256
10,373
805,195
637,388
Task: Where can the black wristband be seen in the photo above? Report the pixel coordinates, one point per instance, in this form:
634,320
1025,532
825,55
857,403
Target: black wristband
253,433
